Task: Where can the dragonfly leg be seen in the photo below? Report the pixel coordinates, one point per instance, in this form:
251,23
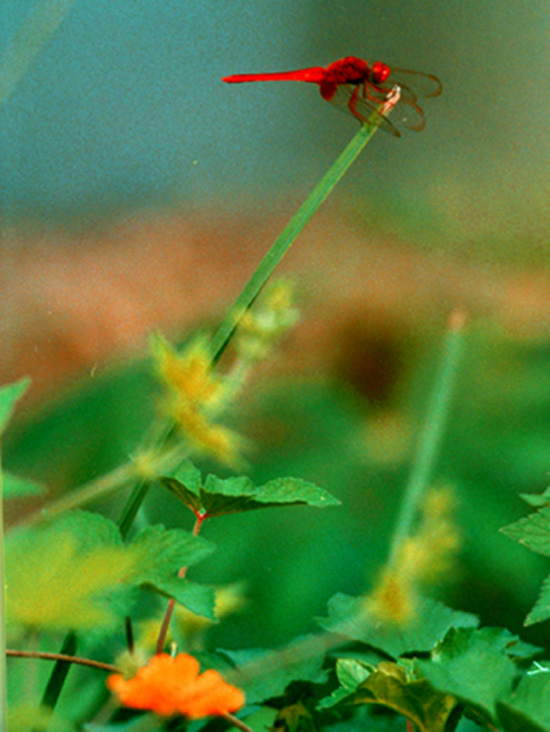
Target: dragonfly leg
352,105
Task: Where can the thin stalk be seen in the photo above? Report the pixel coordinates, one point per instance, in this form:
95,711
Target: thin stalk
432,433
106,484
3,675
14,653
236,722
161,640
285,240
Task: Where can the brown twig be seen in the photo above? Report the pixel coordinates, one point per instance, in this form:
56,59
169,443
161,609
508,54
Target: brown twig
236,722
62,657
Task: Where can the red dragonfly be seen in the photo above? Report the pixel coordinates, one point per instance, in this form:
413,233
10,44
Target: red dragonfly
360,88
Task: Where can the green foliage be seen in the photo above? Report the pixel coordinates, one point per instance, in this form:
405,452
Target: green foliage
16,487
219,497
9,395
527,709
533,531
292,666
350,617
476,667
472,671
76,573
22,718
392,686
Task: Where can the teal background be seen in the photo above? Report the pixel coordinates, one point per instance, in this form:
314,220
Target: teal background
124,108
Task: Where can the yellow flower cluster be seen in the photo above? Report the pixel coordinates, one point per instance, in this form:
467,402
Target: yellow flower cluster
272,316
194,397
423,558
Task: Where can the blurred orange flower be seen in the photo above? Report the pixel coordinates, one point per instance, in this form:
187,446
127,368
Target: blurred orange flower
172,685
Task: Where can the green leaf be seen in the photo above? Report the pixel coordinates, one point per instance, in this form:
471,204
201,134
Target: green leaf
348,615
282,669
390,686
350,674
541,609
528,707
199,599
218,497
472,665
65,575
162,553
90,529
76,573
538,500
533,531
294,718
185,484
15,487
165,551
9,395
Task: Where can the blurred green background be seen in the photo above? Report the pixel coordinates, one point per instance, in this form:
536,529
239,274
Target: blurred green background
124,111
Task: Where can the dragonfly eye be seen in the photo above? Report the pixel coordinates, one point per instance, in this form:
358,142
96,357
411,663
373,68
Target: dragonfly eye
380,72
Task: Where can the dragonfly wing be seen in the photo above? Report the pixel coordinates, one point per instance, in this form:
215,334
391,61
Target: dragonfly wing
416,83
412,85
363,104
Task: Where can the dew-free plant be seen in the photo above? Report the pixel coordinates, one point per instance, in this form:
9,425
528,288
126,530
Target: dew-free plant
112,597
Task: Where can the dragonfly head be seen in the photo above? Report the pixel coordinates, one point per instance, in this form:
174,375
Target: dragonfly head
380,72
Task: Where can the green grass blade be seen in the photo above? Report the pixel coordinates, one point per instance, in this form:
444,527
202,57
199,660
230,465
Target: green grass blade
3,675
432,432
285,240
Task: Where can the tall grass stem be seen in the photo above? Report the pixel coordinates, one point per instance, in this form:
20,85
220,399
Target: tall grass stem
432,433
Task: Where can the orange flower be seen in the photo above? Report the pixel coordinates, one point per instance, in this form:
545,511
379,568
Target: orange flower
168,685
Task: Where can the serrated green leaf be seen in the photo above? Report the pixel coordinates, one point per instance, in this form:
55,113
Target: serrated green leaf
90,529
533,531
528,708
164,551
273,672
218,497
347,615
350,674
185,484
499,639
16,487
471,665
199,599
9,394
541,609
390,686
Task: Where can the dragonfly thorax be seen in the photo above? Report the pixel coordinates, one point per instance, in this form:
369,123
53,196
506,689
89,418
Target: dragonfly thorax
348,70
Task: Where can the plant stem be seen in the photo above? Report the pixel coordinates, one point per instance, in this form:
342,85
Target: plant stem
13,653
285,240
161,640
236,722
432,432
105,484
3,676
